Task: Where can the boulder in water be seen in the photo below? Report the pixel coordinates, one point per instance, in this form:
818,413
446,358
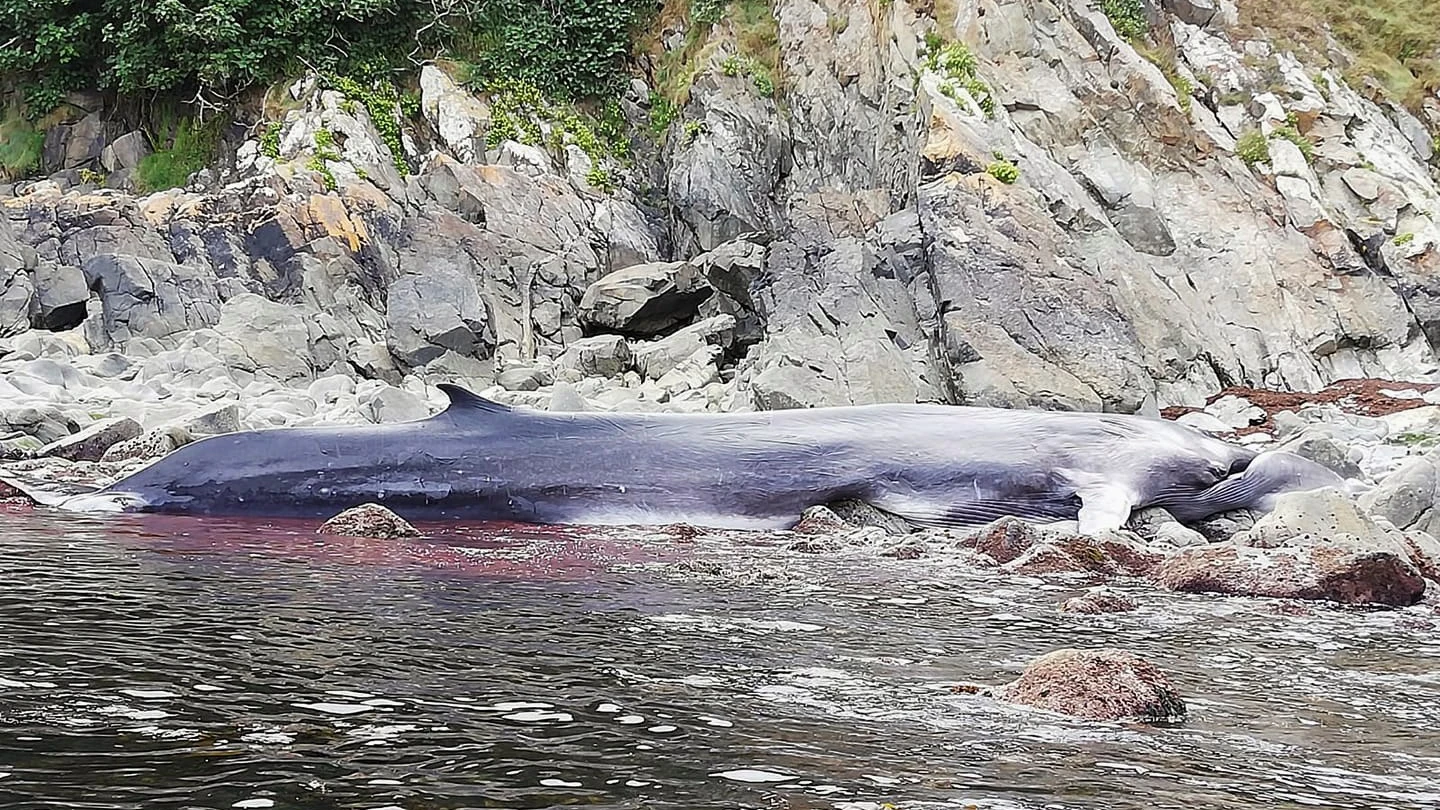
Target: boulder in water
369,520
1104,684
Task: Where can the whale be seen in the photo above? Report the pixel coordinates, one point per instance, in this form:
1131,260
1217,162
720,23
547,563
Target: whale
934,465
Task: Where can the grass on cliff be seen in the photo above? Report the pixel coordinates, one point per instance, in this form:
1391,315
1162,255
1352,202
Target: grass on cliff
1396,42
181,147
707,23
21,144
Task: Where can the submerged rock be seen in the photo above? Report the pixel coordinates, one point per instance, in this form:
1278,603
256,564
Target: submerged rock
368,520
1104,684
1098,600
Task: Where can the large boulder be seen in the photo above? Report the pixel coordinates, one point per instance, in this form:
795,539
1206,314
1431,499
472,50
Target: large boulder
1102,684
599,356
458,117
60,297
437,311
269,340
147,298
1409,496
645,299
91,443
17,288
1313,545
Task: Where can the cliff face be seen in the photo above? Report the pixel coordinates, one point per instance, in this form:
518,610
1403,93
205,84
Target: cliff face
848,239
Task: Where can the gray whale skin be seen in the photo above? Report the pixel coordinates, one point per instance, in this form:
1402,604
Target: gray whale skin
934,465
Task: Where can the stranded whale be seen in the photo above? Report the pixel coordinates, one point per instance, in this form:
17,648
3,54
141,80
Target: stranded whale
934,465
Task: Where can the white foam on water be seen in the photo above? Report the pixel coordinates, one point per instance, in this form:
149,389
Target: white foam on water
630,720
662,729
391,782
540,716
149,694
348,694
753,776
208,687
608,708
636,783
515,705
552,782
247,804
382,702
267,738
716,722
336,708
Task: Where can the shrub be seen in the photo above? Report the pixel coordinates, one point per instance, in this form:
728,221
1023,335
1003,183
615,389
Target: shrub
573,47
1004,171
270,140
1403,239
1127,17
1253,148
956,62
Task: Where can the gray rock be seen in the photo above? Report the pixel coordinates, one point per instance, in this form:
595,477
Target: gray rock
645,299
389,404
523,378
1323,450
1409,496
17,289
47,424
125,152
92,441
564,398
1235,412
273,341
146,298
1179,535
1195,12
152,444
859,513
435,312
212,421
599,356
60,298
459,118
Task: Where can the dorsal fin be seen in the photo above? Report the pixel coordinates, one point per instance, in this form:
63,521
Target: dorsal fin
463,400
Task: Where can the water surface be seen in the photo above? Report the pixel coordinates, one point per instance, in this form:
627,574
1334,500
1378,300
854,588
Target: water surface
150,662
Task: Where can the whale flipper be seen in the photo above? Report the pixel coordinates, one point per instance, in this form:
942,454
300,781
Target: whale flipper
48,493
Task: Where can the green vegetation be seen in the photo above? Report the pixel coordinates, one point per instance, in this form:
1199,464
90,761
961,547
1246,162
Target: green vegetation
571,49
520,112
1396,42
1403,239
270,140
1413,438
693,130
382,101
93,177
181,148
662,112
1253,148
1164,58
738,65
217,49
1004,171
1292,134
21,144
1127,17
956,62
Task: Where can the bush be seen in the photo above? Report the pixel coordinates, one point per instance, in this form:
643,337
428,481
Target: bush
1004,171
574,47
21,145
1126,17
1253,148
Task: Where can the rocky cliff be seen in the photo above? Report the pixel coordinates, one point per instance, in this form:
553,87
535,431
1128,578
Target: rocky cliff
999,203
